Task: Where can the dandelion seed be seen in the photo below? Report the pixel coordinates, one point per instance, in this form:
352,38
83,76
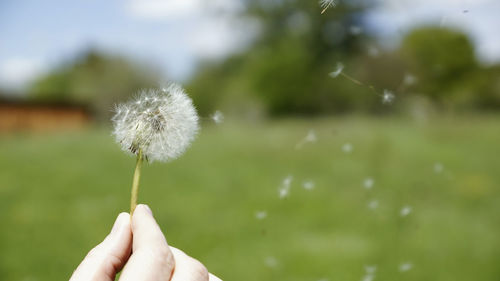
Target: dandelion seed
373,51
409,79
406,210
438,168
347,148
405,266
368,277
387,97
370,269
373,204
217,117
355,30
309,138
325,4
271,262
368,183
338,70
308,185
260,215
284,189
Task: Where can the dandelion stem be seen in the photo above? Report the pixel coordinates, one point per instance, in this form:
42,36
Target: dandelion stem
135,182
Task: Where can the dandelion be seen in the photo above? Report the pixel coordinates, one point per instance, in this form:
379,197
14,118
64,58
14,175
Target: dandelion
309,138
406,210
325,4
158,125
368,183
284,189
387,97
260,215
405,267
217,117
308,185
347,147
373,204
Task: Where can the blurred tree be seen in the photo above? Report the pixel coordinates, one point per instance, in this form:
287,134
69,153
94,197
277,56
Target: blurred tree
287,65
94,79
441,58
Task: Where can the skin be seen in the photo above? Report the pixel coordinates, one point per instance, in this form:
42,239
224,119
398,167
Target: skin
139,247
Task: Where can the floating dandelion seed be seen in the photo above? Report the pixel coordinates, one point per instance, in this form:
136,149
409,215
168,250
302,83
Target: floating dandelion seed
438,168
217,117
405,266
260,215
271,262
156,126
309,138
284,189
373,204
325,4
368,183
370,269
338,70
355,30
406,210
308,185
409,79
387,97
347,147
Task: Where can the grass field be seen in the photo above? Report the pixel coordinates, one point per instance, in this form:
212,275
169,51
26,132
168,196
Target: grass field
59,195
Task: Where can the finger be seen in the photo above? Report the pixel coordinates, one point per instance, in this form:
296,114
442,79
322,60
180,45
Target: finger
187,268
151,258
107,258
212,277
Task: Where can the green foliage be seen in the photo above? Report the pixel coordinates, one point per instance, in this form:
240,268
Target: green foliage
441,58
55,209
94,79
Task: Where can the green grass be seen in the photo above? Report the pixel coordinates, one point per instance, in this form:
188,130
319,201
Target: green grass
59,195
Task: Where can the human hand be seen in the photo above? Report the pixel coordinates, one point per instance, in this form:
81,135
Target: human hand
140,248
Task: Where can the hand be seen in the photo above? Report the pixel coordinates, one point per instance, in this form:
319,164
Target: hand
140,248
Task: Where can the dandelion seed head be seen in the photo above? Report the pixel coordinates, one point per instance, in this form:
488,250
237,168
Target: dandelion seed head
260,215
217,117
311,136
368,183
405,266
162,130
347,147
406,210
338,70
387,97
308,185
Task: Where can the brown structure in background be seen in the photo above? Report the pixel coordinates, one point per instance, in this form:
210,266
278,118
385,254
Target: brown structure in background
33,116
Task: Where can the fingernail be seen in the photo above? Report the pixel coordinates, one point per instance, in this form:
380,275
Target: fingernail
148,209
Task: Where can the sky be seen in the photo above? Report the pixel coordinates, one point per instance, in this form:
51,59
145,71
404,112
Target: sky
174,34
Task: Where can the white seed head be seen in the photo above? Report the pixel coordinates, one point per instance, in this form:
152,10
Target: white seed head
308,185
260,215
160,123
368,183
405,266
406,210
347,147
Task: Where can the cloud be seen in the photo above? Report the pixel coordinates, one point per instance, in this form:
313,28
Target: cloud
16,72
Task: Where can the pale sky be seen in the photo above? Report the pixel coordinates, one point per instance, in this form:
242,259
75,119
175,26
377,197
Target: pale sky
174,34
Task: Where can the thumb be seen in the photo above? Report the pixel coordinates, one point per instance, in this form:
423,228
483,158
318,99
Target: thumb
107,258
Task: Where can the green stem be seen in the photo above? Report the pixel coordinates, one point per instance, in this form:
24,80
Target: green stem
135,182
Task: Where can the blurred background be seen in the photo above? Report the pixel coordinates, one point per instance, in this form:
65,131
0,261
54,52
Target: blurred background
340,140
